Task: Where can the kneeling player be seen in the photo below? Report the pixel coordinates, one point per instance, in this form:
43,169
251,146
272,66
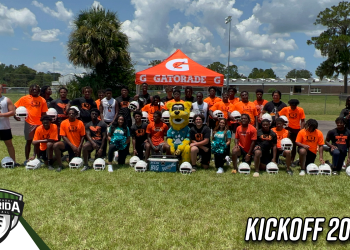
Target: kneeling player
338,140
281,134
139,136
73,132
266,140
96,137
308,139
245,139
44,138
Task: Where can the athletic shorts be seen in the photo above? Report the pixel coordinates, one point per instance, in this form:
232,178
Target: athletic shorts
206,156
139,150
69,149
243,154
266,156
5,135
43,155
160,152
29,131
310,157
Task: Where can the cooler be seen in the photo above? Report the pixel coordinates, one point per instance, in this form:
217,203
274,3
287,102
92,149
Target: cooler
160,163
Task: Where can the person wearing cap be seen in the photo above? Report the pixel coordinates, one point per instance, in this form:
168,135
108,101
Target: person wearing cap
309,139
296,119
274,106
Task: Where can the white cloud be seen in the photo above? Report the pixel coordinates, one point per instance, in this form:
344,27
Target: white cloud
317,54
96,5
11,18
297,62
281,70
45,35
61,12
62,68
244,69
15,49
271,56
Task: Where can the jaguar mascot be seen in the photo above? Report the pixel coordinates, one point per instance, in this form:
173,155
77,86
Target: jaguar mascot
179,133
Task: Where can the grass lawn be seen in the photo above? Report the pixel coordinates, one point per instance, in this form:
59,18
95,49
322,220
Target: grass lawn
128,210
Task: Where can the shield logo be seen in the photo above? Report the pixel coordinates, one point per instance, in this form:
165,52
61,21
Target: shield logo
11,208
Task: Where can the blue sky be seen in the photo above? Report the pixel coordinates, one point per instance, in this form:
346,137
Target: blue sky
264,34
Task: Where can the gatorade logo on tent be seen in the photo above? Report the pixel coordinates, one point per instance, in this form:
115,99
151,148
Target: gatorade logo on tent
178,65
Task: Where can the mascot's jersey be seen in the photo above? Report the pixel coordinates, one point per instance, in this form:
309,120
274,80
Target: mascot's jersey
178,135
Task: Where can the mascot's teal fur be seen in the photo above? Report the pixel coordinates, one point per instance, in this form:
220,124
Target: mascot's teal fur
179,133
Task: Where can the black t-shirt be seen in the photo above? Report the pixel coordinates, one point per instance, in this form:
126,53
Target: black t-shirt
165,99
272,108
123,104
84,106
139,133
266,140
146,97
48,102
97,130
344,113
192,99
340,139
200,134
60,106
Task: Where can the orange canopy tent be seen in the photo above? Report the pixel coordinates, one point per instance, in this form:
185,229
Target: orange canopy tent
180,70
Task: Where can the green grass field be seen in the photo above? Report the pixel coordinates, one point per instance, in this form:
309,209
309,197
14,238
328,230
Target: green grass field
128,210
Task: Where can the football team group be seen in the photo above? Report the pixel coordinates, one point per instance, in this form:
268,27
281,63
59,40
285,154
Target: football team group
262,131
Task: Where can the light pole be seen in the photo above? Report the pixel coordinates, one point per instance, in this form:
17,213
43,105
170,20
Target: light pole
53,68
228,20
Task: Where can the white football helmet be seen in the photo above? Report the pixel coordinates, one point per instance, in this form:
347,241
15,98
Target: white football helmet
99,164
218,114
266,116
33,164
76,163
144,117
286,121
312,169
161,103
116,155
141,166
236,116
52,113
7,162
244,168
166,116
325,169
192,114
77,109
185,168
134,160
286,144
134,105
348,170
22,113
272,168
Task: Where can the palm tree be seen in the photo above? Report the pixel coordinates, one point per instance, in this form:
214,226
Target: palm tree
97,41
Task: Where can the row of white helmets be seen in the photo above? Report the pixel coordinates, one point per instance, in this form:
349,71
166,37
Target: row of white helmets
22,113
311,169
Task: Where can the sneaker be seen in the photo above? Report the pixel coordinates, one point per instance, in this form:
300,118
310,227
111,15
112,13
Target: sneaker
295,163
256,174
25,162
234,171
65,158
290,172
85,168
194,169
220,171
17,164
335,173
51,168
59,169
302,172
110,168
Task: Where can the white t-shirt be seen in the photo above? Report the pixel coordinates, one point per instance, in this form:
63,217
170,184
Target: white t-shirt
201,109
108,109
4,121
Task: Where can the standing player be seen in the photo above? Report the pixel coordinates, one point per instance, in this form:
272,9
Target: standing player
308,140
61,107
101,94
274,106
139,136
153,107
73,133
169,94
36,107
246,107
46,92
245,139
224,106
144,98
338,140
108,108
96,135
346,112
123,102
44,138
232,92
211,100
200,107
6,110
188,95
259,103
84,104
296,119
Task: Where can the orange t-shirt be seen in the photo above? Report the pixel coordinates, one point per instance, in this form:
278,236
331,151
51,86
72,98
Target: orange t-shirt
42,134
245,136
284,133
234,100
35,106
98,102
73,131
260,105
157,132
310,138
224,107
294,116
246,108
212,101
150,109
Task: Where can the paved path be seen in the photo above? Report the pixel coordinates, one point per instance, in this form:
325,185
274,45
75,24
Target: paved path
17,127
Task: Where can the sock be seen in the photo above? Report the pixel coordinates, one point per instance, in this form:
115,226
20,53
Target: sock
50,162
